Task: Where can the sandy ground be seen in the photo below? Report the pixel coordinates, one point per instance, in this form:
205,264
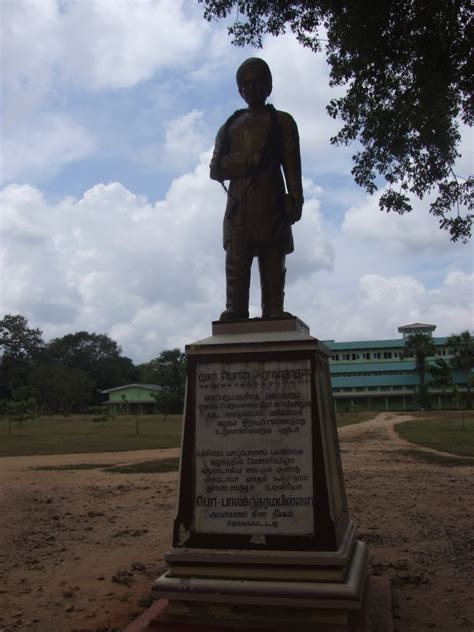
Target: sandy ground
79,549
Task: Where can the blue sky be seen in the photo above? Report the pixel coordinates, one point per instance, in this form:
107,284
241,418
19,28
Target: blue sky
110,224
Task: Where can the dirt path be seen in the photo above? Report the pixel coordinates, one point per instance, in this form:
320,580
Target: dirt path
417,519
80,549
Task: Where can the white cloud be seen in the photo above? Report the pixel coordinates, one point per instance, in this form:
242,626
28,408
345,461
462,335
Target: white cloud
33,270
96,43
412,232
376,305
41,148
30,43
152,275
55,51
220,60
401,300
118,44
185,139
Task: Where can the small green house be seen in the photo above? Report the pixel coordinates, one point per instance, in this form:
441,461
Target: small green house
132,398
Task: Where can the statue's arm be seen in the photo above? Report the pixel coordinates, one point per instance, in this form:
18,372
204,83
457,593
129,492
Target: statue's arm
225,166
292,165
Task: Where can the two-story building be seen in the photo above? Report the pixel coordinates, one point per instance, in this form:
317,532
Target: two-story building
371,374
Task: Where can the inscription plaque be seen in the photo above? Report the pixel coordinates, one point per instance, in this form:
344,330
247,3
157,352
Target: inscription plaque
253,449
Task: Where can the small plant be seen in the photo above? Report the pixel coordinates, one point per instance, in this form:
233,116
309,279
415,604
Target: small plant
19,411
101,414
423,397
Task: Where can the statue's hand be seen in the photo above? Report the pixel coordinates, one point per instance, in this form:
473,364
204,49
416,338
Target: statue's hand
254,160
293,208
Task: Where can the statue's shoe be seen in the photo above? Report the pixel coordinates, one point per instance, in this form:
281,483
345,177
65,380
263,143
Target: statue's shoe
232,314
276,315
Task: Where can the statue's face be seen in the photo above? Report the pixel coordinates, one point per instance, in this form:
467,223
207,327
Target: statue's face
253,86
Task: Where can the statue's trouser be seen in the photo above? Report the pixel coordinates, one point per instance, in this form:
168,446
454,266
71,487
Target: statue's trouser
271,261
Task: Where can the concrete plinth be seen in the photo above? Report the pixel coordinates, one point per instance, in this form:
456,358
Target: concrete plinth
374,616
262,537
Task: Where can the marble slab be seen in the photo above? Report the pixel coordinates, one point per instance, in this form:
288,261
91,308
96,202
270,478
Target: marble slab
253,448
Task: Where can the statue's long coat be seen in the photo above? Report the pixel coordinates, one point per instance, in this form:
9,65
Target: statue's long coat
255,208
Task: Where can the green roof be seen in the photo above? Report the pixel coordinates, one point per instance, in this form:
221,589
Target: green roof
397,343
351,381
401,366
387,379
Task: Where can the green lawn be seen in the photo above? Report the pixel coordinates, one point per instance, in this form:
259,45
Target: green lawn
347,419
441,431
156,466
80,434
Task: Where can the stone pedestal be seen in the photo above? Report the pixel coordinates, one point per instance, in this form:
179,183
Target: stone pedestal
262,536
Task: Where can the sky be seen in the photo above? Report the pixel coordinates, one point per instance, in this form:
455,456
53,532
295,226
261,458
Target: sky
109,221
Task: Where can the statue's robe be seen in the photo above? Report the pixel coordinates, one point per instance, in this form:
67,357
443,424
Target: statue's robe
251,150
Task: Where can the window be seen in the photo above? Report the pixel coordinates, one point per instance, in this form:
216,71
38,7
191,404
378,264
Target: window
377,355
366,356
387,355
355,356
335,357
346,356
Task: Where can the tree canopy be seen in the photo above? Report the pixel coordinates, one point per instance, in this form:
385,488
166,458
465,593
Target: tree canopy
19,346
419,346
169,372
461,349
96,354
407,69
64,374
17,340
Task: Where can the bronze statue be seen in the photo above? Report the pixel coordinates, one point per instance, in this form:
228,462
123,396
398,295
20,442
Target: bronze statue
251,149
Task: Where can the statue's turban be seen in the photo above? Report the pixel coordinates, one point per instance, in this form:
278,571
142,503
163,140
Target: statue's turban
252,63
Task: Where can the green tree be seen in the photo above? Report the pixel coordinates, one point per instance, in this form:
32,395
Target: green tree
407,69
19,411
420,346
169,372
461,350
440,374
97,355
62,389
20,346
168,402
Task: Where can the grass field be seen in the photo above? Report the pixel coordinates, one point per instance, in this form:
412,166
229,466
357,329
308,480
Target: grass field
436,458
441,431
347,419
154,466
80,434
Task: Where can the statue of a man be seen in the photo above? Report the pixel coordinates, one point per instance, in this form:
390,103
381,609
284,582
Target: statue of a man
251,149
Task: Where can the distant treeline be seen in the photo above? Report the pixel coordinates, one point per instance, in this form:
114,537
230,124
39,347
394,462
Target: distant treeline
66,374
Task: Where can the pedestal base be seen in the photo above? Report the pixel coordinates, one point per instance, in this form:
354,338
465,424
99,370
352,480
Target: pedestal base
374,616
275,604
262,537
